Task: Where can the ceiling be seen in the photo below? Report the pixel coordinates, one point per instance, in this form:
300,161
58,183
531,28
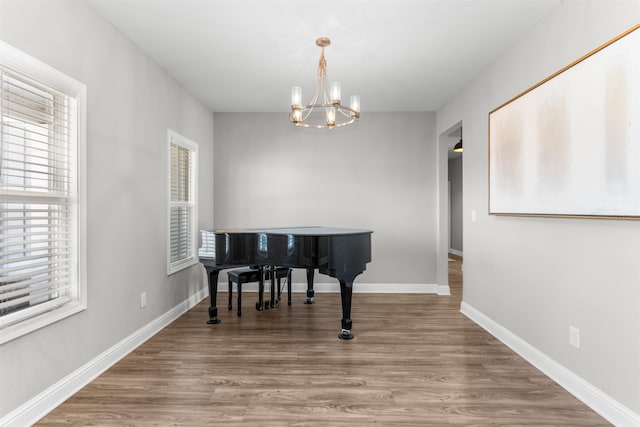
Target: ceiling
244,56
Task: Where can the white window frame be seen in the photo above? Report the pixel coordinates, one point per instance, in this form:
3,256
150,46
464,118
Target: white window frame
191,258
21,322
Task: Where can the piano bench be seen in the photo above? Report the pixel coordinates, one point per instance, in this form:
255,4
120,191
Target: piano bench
240,276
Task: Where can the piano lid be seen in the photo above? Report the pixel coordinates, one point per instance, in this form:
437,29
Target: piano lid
298,231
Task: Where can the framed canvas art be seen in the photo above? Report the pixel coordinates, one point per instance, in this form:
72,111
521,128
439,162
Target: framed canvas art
570,145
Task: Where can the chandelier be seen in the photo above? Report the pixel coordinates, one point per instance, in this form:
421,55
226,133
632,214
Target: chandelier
335,114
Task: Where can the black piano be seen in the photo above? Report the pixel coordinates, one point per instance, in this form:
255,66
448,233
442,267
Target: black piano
342,253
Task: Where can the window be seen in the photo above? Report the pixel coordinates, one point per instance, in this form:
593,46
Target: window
183,203
42,261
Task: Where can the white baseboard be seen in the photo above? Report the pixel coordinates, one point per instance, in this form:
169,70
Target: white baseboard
443,290
33,410
605,405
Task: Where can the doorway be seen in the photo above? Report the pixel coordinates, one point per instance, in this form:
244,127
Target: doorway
450,211
454,176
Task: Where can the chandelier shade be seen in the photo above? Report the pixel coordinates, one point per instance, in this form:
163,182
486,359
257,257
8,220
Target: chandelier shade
328,113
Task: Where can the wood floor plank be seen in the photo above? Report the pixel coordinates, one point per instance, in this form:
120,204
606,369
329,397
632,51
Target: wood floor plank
415,361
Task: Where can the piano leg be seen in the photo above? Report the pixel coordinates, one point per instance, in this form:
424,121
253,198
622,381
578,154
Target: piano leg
310,292
279,297
346,290
272,296
289,288
212,274
260,305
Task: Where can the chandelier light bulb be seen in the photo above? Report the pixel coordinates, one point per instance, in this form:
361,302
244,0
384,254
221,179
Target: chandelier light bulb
296,115
296,97
355,105
335,92
331,116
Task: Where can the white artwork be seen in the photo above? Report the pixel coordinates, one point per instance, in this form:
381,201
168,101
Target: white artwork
570,146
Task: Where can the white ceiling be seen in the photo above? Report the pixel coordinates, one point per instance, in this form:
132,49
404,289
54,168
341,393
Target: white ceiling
244,56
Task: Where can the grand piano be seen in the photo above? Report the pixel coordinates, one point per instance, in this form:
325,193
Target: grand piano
342,253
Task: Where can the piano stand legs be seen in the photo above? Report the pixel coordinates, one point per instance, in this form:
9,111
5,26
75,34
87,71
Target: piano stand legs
310,295
310,292
346,334
213,316
289,288
274,275
261,304
272,293
212,275
346,290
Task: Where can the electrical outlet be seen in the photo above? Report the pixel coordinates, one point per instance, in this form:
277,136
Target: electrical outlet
143,300
574,336
474,216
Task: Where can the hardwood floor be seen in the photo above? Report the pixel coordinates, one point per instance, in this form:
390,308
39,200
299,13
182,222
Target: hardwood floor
415,361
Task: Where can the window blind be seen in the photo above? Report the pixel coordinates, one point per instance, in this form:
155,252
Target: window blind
182,202
37,145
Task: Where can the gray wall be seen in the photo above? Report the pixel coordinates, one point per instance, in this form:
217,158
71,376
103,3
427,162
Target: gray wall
379,174
131,103
455,178
538,276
